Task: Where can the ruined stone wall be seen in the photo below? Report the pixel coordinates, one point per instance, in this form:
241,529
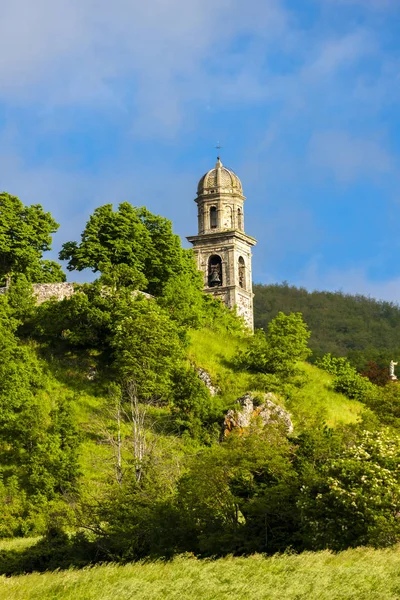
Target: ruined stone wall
59,291
46,291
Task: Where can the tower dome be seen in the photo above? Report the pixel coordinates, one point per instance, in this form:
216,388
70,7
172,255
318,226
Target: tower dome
219,179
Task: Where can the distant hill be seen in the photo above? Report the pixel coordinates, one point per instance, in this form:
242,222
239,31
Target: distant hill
340,323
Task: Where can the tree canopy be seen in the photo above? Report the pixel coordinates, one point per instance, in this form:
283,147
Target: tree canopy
129,247
364,329
25,234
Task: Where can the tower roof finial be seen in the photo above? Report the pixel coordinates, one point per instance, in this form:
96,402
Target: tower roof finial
218,147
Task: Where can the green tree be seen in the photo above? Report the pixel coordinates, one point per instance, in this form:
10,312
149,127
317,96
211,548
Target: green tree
81,321
147,347
279,350
183,296
129,247
38,438
239,497
347,381
25,234
135,336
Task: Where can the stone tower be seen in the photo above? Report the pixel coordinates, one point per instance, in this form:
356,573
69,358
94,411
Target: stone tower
222,248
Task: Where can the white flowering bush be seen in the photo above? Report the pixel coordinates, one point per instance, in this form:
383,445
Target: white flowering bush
354,499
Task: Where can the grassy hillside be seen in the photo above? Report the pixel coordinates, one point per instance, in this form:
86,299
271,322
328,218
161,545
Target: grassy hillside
359,574
68,377
182,460
314,400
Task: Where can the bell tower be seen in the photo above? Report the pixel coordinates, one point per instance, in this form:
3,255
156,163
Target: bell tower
222,249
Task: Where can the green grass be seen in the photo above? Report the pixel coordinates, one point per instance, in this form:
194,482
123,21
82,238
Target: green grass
316,400
18,544
360,574
214,353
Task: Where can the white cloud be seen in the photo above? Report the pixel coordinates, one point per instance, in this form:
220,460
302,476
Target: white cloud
84,50
348,157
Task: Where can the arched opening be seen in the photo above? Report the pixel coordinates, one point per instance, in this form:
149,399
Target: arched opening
214,271
213,217
240,219
227,223
242,273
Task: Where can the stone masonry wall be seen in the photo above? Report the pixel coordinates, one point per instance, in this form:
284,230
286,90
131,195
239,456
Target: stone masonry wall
59,291
45,291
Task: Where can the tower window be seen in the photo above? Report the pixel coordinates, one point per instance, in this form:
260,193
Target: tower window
242,273
240,219
214,271
213,217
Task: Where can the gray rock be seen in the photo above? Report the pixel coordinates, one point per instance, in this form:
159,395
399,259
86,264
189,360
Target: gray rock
206,379
268,411
92,373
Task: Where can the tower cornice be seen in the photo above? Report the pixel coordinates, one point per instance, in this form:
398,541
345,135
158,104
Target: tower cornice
213,196
223,235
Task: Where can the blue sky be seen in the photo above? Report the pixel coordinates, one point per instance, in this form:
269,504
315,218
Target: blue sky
111,101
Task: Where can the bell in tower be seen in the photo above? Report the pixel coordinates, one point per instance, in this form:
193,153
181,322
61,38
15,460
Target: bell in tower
214,271
222,248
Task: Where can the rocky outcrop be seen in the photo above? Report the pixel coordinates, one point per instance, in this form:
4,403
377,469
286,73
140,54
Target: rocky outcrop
265,410
206,379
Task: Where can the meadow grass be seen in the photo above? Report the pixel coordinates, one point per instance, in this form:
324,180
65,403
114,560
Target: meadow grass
18,544
214,353
318,398
314,400
360,574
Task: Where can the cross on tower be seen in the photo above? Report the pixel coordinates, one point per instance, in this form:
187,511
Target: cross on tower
218,147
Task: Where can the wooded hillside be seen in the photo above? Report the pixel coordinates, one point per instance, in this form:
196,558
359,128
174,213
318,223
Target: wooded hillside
341,324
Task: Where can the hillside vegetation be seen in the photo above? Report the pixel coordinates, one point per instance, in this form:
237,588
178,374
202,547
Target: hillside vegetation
114,449
344,325
314,399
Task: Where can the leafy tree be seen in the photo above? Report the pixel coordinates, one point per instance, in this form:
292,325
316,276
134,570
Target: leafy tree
129,247
239,497
347,381
287,338
135,336
114,243
25,233
385,402
147,347
278,351
183,295
38,438
81,321
193,408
